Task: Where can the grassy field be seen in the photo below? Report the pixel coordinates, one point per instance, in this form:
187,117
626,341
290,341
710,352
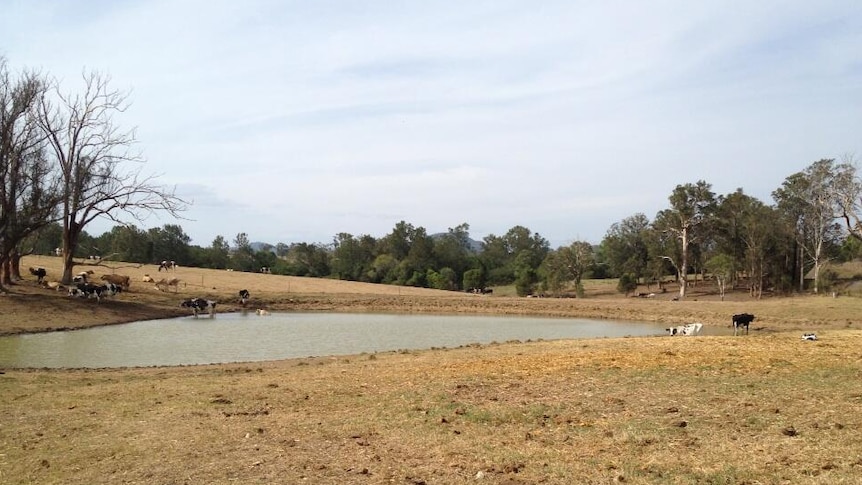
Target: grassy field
765,408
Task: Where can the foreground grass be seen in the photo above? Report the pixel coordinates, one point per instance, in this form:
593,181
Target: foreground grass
720,410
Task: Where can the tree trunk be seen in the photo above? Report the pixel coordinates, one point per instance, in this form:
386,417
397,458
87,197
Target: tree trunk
801,270
70,242
15,266
683,264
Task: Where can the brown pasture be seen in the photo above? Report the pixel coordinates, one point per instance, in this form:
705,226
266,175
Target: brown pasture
767,408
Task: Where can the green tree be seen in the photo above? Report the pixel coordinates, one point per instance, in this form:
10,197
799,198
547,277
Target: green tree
452,250
722,268
625,246
568,265
691,208
810,203
474,278
351,257
170,243
219,253
242,255
627,283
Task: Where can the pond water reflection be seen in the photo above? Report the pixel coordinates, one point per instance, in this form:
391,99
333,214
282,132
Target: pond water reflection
246,337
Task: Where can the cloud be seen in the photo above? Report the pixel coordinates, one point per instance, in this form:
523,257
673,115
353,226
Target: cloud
294,121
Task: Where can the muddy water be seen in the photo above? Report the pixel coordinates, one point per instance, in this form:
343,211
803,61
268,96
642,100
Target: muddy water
236,337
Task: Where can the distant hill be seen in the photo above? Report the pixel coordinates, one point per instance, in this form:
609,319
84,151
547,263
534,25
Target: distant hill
475,246
259,246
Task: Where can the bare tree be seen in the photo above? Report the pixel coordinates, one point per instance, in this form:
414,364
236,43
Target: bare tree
28,194
97,164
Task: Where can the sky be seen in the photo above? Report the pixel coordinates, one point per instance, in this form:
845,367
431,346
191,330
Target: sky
295,121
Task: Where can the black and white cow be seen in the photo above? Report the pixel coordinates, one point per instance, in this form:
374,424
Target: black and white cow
39,273
742,320
244,295
166,265
687,329
199,305
82,277
111,289
86,290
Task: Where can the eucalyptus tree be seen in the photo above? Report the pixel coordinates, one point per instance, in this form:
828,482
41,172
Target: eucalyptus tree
692,206
100,172
809,203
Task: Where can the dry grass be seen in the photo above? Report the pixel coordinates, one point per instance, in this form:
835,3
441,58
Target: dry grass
767,408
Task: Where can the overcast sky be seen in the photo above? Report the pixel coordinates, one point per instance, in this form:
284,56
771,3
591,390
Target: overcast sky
295,121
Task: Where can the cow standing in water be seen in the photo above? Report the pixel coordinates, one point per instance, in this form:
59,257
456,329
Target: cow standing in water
742,320
199,305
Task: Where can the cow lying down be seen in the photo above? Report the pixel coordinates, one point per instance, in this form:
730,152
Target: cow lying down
687,329
87,290
199,305
809,336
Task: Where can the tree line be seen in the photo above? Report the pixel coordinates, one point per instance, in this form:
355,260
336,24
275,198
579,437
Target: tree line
64,162
730,238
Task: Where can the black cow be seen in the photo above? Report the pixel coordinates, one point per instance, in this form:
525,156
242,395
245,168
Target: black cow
742,320
200,305
39,273
243,297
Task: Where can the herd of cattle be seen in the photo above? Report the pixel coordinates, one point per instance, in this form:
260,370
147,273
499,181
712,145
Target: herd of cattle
115,284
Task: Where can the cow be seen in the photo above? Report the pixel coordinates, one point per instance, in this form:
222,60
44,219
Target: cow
742,320
86,290
809,336
164,284
111,289
687,329
262,312
243,297
148,279
116,279
52,285
200,305
39,273
82,277
166,265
